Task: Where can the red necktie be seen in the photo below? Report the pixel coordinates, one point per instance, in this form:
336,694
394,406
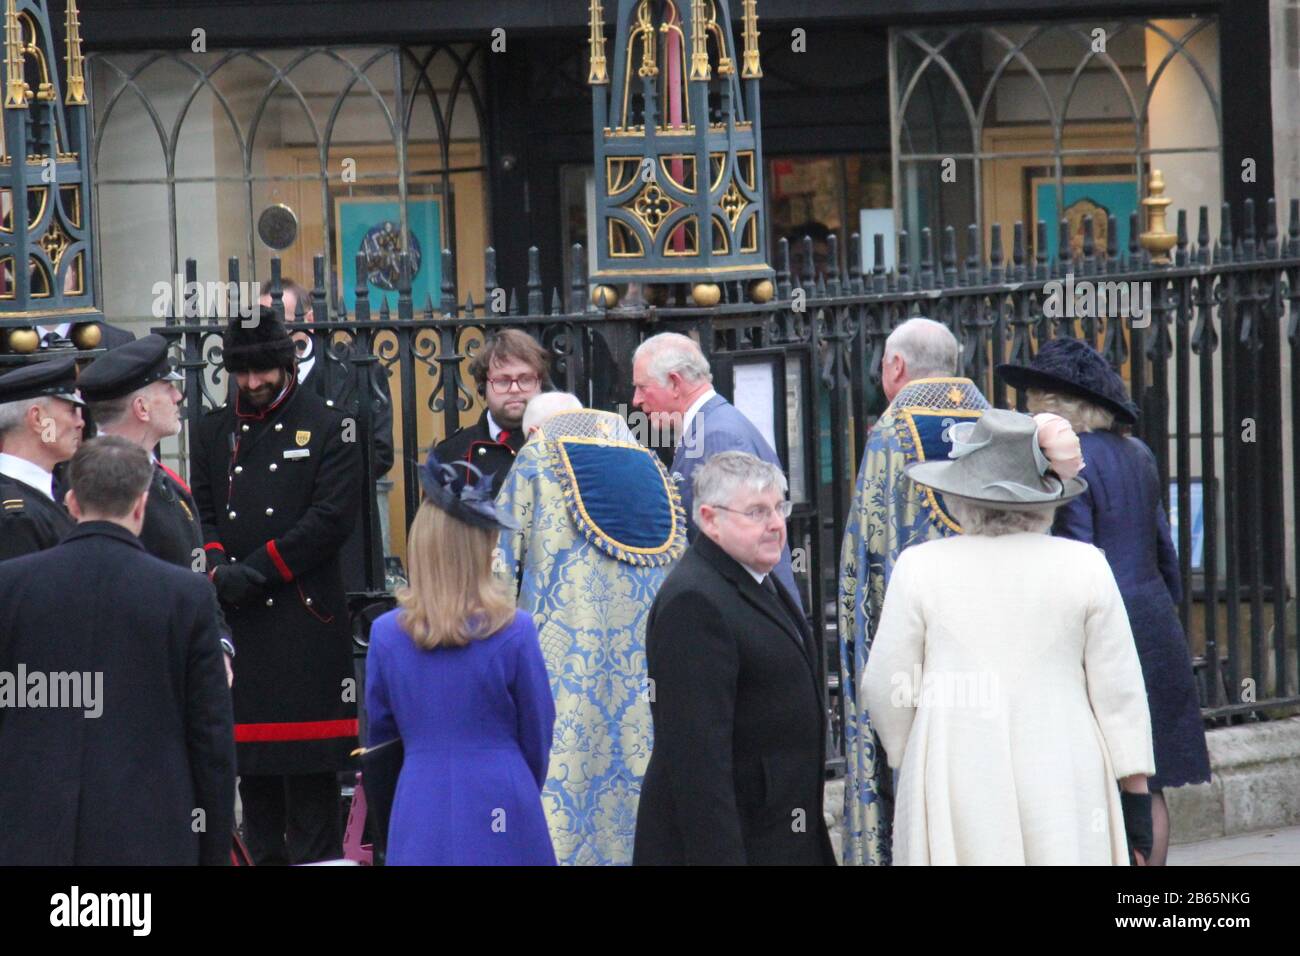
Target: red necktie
502,436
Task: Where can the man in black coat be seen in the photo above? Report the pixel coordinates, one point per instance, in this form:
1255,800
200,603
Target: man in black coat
40,427
128,756
341,383
132,393
278,486
736,774
509,370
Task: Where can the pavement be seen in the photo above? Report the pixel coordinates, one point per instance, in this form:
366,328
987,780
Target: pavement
1265,848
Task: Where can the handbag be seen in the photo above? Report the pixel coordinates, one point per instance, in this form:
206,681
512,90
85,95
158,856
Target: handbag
380,767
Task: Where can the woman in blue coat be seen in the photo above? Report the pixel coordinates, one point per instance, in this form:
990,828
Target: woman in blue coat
457,674
1123,513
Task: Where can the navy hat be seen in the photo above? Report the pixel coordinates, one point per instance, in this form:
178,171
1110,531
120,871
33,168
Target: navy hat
464,492
56,378
128,367
1074,367
261,345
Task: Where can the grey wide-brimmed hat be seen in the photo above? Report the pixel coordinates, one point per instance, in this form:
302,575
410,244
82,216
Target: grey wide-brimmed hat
996,462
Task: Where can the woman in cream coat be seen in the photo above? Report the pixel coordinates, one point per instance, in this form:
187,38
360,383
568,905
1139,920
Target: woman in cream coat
1003,680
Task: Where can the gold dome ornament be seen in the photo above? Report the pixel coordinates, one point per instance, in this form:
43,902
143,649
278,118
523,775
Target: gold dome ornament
24,341
604,297
706,294
87,335
762,291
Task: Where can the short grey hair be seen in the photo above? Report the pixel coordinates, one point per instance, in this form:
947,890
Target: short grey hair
928,347
543,406
1083,415
670,352
719,479
13,413
110,411
991,522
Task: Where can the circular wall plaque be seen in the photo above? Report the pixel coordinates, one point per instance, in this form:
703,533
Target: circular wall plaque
278,226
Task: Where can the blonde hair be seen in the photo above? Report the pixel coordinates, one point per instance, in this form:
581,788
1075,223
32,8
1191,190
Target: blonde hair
453,597
1082,414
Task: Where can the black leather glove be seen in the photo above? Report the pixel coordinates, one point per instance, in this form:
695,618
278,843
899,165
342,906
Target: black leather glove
237,584
1137,822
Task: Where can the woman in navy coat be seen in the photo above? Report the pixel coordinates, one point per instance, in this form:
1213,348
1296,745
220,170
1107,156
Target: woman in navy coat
1123,513
457,673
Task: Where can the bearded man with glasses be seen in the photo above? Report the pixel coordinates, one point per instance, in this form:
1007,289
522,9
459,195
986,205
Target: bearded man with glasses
509,370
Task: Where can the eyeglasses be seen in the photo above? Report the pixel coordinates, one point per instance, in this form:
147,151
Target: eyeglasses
501,386
762,515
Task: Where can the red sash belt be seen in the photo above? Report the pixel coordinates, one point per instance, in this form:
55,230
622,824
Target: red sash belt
303,730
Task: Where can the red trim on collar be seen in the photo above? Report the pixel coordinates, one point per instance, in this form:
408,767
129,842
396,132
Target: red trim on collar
280,400
215,544
175,477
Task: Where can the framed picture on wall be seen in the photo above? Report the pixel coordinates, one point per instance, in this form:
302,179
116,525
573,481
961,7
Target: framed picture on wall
372,225
1096,191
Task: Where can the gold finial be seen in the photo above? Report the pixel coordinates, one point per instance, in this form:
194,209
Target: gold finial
751,70
76,92
16,92
648,41
699,42
1157,240
598,73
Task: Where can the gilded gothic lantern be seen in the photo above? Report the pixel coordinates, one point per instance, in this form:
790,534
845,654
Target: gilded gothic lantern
679,181
46,257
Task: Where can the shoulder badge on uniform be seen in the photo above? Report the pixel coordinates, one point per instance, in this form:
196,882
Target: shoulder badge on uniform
302,438
13,504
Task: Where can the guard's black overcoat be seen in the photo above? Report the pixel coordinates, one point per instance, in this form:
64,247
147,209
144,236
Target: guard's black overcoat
344,393
171,521
121,788
29,520
279,489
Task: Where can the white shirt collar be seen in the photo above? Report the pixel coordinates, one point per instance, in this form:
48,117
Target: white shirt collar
493,428
304,368
696,405
29,473
758,578
61,329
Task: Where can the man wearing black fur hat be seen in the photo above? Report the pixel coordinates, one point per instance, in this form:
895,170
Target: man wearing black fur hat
277,479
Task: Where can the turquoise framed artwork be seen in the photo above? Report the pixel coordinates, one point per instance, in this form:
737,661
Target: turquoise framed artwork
1096,194
372,225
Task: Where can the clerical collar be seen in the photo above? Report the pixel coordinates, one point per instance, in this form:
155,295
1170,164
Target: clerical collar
696,405
28,472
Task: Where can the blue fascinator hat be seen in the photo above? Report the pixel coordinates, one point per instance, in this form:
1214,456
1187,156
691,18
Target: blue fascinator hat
464,492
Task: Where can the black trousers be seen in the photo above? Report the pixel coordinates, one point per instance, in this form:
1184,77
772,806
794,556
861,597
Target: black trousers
291,819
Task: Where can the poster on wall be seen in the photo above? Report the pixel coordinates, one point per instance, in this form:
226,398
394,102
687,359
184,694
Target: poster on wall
1097,193
371,225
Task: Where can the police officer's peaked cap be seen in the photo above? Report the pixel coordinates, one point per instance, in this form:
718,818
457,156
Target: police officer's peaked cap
56,378
259,342
126,368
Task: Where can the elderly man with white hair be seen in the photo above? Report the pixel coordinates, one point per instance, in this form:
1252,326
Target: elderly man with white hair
674,386
736,690
40,426
890,513
600,526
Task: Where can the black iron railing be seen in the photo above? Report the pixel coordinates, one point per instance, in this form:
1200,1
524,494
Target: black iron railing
1205,364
